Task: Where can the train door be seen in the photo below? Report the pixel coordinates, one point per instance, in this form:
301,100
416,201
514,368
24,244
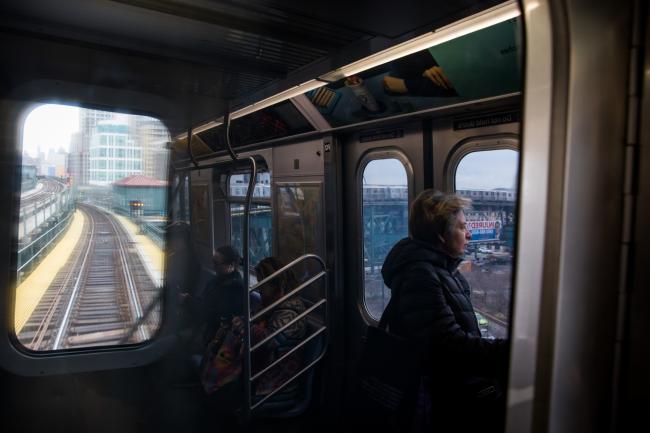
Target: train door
383,170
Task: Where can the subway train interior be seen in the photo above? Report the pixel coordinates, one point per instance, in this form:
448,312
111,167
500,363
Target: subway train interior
140,137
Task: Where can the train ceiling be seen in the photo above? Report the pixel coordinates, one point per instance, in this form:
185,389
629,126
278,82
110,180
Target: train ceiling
257,45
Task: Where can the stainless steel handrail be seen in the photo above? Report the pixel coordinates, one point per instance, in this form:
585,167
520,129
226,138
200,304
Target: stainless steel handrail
295,376
288,295
323,301
287,325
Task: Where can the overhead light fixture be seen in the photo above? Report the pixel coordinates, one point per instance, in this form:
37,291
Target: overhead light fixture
474,23
264,103
201,128
471,24
279,97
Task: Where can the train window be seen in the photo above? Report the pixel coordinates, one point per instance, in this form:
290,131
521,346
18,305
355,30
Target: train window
300,211
385,221
238,185
260,222
91,228
489,178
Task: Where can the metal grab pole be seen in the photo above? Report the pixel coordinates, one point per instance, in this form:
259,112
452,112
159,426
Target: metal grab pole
246,253
247,305
246,257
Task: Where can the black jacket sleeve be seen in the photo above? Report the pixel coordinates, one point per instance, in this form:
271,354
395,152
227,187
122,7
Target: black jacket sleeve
423,313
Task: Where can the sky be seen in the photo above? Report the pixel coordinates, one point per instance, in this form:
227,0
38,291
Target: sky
478,170
50,127
488,170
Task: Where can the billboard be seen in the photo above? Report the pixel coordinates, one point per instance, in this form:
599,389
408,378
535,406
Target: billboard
484,230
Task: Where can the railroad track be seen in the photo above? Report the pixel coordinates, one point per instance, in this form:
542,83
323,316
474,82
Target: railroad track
50,188
98,295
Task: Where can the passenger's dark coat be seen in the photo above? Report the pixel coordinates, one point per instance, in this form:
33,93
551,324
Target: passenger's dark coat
221,300
434,309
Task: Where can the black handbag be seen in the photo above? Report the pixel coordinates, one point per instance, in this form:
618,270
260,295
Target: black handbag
389,373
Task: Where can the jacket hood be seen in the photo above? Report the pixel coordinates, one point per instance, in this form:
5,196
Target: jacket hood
408,251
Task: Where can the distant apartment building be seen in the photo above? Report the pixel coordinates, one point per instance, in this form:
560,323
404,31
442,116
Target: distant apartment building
152,136
78,160
114,154
80,144
133,145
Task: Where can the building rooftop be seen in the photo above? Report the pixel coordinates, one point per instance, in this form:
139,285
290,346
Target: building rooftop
140,180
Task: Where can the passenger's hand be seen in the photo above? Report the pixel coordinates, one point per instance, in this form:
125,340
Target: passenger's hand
438,77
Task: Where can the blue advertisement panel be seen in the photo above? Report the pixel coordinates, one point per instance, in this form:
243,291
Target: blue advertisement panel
478,65
484,230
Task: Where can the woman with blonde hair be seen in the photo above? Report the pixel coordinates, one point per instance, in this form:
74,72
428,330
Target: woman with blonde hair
431,306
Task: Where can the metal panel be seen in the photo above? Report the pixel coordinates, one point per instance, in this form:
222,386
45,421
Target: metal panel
592,186
532,219
571,182
300,159
635,296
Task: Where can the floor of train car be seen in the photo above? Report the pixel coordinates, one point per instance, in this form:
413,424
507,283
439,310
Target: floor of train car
162,397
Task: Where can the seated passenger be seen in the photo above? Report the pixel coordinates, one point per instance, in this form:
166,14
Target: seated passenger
463,372
275,319
222,298
222,363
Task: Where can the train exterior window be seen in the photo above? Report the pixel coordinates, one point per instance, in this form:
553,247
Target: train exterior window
238,184
385,221
260,230
489,178
261,222
91,228
300,210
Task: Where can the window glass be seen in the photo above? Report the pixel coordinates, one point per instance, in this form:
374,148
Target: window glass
238,185
489,179
90,234
385,221
300,224
260,230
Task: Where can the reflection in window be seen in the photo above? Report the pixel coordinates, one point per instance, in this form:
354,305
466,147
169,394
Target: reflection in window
385,221
260,230
261,224
238,185
300,222
489,178
91,228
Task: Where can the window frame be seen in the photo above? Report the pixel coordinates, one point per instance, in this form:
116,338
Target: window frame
14,356
366,158
507,141
473,144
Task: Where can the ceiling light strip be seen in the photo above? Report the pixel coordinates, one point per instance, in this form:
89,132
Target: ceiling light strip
474,23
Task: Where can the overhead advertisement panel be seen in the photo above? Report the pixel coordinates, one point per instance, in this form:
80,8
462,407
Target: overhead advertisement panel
482,64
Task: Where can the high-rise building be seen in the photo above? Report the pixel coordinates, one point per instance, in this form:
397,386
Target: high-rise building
88,120
153,137
78,160
114,154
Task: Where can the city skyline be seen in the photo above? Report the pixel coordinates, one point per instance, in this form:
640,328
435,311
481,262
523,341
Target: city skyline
62,140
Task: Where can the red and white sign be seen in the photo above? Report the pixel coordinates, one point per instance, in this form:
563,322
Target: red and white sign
481,225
